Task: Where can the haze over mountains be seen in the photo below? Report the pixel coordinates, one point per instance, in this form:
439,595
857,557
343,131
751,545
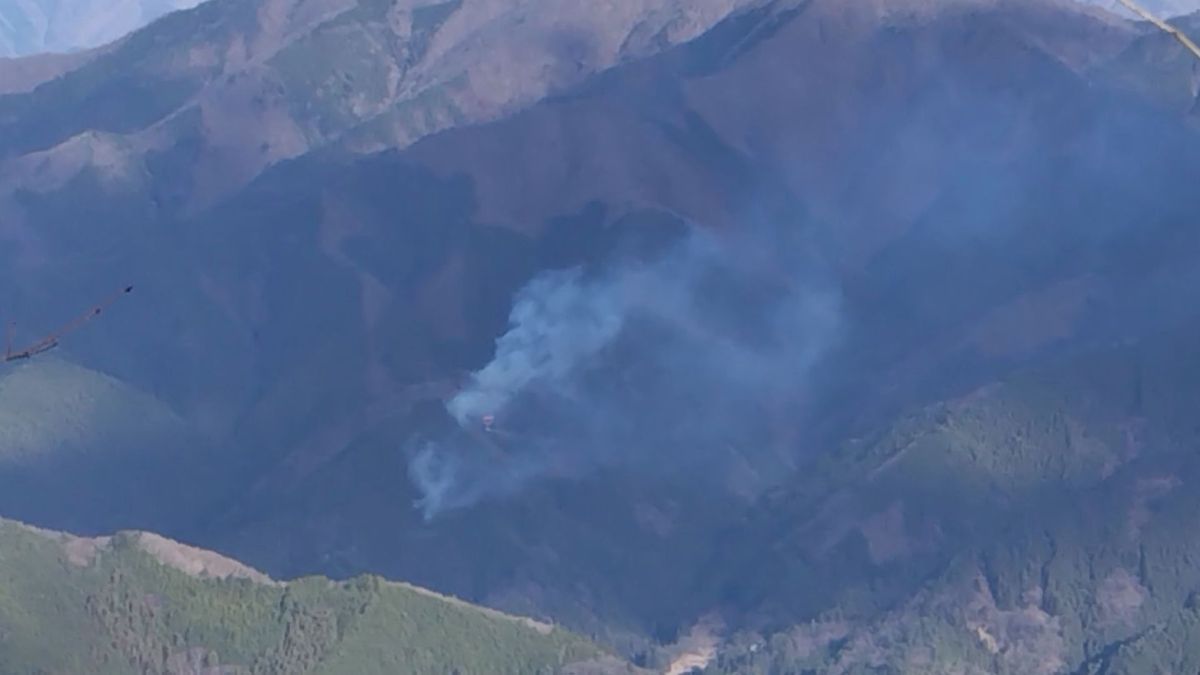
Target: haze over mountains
37,26
791,318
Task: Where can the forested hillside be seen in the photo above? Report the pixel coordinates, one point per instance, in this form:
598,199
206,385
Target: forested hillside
138,603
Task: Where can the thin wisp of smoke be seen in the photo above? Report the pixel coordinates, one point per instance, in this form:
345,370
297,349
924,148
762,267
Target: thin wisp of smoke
657,364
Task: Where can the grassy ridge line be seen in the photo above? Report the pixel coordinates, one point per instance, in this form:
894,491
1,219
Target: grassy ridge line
117,605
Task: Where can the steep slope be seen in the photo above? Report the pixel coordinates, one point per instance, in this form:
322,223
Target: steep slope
973,180
1174,85
137,603
225,90
69,435
37,26
614,160
1040,525
21,75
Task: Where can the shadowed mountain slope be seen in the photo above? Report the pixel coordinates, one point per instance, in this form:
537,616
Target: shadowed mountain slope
982,184
1040,524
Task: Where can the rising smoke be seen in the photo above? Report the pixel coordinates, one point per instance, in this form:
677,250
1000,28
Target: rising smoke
660,362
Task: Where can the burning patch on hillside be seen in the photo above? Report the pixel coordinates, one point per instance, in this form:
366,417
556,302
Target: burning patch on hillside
661,363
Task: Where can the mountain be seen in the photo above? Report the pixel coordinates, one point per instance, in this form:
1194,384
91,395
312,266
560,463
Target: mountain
37,26
20,75
1040,524
70,433
541,306
221,92
139,603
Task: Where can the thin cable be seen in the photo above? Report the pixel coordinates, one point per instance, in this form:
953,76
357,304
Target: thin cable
1162,25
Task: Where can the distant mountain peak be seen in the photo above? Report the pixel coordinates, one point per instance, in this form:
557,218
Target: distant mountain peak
39,26
255,83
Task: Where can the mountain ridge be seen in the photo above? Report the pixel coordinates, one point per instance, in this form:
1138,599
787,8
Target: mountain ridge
123,596
251,63
979,187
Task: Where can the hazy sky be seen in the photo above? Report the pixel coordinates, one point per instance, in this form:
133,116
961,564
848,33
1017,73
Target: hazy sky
36,26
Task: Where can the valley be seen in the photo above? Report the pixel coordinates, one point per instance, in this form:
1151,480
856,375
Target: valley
753,336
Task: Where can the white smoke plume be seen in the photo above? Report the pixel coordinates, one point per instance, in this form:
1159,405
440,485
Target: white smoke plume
558,321
647,363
